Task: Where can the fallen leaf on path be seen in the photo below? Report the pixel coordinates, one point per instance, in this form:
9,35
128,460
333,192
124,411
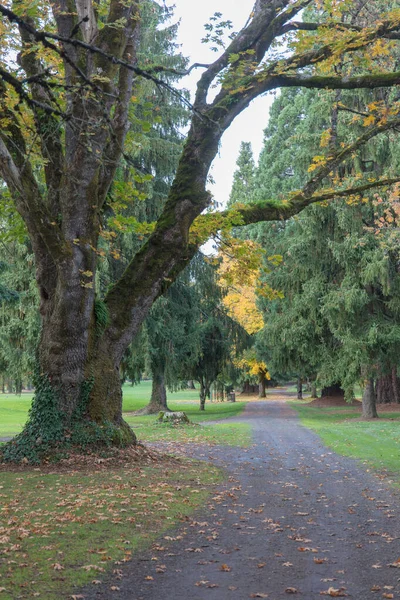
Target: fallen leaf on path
396,564
386,595
375,588
225,568
212,585
287,564
149,578
232,588
291,590
320,561
114,588
336,593
258,595
261,565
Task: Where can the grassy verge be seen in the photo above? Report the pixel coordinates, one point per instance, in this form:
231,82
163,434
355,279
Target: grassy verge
60,531
377,443
226,434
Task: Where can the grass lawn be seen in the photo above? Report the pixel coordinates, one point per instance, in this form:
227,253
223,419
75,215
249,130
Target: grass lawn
14,411
377,442
60,531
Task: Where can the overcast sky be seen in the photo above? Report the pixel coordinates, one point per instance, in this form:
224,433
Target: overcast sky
249,126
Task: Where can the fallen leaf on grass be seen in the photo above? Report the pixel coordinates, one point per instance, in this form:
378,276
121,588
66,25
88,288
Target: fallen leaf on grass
92,567
336,593
57,567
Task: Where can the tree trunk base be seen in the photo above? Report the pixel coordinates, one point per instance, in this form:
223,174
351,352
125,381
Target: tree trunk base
49,433
151,409
369,401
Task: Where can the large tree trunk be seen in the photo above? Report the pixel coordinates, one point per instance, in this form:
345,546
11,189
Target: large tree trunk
369,401
388,388
158,399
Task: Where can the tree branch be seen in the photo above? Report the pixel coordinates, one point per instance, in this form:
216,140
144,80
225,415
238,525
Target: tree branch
305,26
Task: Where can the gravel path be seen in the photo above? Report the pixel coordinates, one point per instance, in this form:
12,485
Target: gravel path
294,519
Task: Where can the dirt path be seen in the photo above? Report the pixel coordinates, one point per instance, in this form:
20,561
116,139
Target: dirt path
292,515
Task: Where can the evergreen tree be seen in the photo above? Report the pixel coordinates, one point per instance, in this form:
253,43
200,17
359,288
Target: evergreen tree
243,178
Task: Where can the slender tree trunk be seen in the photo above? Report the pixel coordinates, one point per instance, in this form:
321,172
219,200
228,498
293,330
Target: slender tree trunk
202,395
369,401
262,385
299,388
18,386
313,390
190,385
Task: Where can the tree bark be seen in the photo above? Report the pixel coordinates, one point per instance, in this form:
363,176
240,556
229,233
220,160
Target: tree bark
313,390
388,388
369,401
202,396
262,385
299,388
190,385
158,399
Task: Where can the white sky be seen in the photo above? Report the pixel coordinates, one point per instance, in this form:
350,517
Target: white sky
249,126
